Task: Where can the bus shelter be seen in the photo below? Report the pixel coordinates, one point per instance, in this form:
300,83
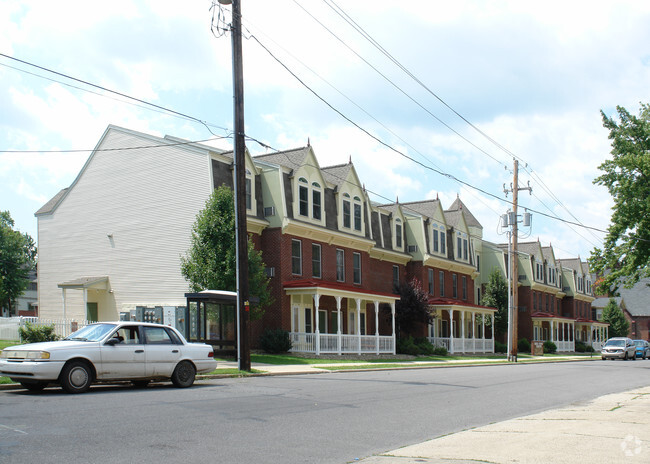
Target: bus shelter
211,317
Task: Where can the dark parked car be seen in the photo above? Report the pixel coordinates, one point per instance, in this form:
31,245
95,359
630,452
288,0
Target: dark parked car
642,349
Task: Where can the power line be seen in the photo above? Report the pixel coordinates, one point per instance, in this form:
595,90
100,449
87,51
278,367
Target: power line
153,105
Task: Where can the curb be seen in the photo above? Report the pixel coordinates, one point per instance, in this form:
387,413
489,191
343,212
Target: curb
17,386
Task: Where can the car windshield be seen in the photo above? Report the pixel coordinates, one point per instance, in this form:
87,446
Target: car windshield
91,333
615,343
639,342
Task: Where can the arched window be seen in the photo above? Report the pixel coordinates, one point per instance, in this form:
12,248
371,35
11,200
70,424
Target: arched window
303,197
316,201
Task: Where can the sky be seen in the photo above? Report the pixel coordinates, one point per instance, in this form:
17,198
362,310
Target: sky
427,98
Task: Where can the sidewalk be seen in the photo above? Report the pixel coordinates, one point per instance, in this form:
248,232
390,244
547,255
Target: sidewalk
611,429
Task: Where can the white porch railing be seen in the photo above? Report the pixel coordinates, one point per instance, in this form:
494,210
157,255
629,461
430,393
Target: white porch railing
564,346
62,327
464,345
345,344
598,346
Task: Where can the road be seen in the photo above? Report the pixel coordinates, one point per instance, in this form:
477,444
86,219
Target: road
318,418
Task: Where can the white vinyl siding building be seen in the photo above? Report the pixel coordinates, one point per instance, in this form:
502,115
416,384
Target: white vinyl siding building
107,226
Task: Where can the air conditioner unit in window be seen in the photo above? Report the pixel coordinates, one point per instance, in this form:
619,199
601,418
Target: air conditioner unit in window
270,272
412,248
269,211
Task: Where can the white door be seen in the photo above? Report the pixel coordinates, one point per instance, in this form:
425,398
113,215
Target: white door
124,359
162,354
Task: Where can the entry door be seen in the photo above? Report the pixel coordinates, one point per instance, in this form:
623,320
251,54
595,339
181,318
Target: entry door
91,312
322,321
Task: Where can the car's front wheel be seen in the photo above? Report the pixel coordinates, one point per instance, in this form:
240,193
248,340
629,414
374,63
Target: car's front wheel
184,374
76,377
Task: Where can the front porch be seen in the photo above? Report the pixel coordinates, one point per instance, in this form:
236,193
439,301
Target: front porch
462,328
559,330
592,333
332,318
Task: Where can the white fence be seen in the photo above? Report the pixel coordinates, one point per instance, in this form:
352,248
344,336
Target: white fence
62,327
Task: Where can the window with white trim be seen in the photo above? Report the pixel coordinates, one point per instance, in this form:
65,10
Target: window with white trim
303,197
316,201
346,211
356,268
296,257
316,269
398,233
431,286
340,265
357,214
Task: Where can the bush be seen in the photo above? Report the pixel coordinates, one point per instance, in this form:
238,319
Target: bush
582,347
500,347
33,333
523,346
440,351
425,346
549,347
275,341
407,346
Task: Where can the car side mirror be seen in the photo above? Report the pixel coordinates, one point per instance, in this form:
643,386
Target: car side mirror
112,341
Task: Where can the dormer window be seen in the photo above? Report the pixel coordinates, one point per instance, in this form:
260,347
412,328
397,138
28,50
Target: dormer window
316,203
249,190
303,197
398,233
439,239
461,246
346,211
357,213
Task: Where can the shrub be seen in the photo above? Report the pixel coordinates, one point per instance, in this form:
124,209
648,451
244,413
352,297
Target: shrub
523,346
440,351
33,333
582,347
500,347
407,346
275,341
425,346
549,347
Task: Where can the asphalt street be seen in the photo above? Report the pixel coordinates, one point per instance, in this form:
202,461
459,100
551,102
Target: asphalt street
317,418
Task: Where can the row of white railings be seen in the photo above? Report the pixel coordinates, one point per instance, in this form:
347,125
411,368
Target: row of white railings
62,327
334,343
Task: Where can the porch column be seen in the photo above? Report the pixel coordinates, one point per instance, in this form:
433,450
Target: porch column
462,328
338,324
552,330
392,310
64,302
376,327
483,330
474,329
451,330
358,300
317,332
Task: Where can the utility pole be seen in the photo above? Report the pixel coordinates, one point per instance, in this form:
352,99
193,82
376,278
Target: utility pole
513,308
239,144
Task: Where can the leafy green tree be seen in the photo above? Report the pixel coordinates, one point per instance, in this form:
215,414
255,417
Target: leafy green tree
618,325
412,311
496,296
17,259
626,249
210,263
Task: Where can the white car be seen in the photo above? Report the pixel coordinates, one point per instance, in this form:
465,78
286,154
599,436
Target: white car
106,351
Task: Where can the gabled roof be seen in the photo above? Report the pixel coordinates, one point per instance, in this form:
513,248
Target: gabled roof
471,221
292,159
50,205
531,248
573,263
337,175
549,256
637,298
427,208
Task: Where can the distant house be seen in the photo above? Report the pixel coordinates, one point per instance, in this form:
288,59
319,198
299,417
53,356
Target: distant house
635,304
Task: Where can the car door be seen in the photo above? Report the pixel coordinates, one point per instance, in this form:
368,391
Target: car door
162,351
123,354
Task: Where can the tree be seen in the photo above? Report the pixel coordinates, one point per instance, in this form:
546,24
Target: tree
210,263
626,249
496,296
17,259
618,325
412,310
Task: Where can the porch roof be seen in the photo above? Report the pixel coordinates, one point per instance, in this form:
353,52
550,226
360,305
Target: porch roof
582,320
548,316
100,282
441,301
323,287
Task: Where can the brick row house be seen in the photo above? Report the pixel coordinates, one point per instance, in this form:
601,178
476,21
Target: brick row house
554,296
111,243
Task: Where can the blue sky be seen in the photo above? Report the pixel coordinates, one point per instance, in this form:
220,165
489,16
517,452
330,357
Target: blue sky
533,76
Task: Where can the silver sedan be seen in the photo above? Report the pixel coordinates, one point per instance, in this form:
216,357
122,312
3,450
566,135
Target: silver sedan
106,351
